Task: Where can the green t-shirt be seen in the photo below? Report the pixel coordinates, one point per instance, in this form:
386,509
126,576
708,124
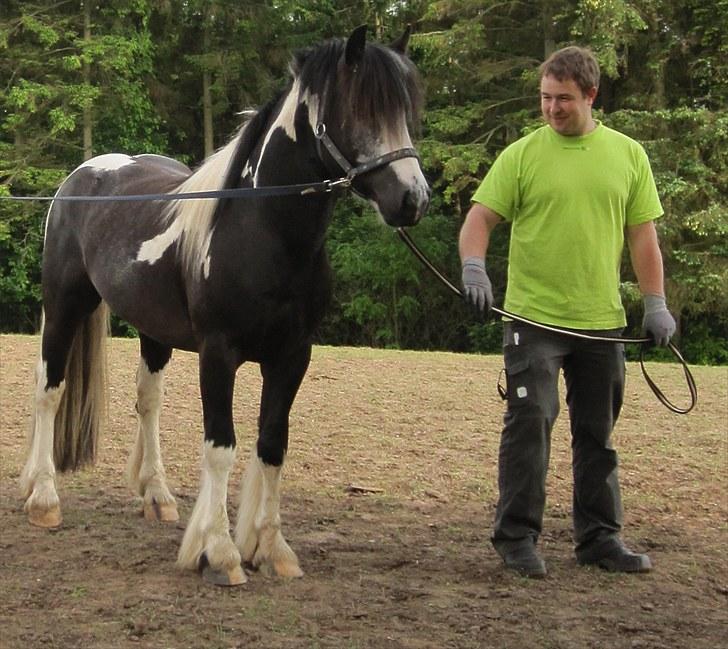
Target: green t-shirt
569,200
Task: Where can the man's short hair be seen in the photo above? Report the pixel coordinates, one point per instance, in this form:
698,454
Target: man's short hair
577,63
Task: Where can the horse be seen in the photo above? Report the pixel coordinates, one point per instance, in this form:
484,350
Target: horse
232,280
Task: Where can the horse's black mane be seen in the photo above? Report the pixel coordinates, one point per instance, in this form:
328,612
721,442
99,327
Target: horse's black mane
378,89
250,134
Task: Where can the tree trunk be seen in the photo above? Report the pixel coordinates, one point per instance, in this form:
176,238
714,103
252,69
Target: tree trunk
656,67
549,28
207,113
207,97
87,109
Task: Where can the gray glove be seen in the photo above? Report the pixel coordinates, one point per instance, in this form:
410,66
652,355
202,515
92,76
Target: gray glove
658,321
478,290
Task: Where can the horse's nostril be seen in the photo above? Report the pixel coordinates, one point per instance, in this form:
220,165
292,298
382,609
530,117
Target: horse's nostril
414,205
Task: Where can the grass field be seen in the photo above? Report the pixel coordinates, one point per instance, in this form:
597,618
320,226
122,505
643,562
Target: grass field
407,563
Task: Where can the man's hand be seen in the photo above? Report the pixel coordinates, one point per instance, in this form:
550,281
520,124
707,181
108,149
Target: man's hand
476,284
658,321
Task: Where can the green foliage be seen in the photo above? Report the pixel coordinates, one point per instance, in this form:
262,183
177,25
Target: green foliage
688,149
135,84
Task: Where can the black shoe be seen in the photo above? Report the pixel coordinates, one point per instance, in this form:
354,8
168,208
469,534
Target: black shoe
525,561
615,557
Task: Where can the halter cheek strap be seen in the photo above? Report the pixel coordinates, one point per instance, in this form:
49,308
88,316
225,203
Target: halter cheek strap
353,171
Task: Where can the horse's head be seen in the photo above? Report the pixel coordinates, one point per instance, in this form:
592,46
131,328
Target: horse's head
362,113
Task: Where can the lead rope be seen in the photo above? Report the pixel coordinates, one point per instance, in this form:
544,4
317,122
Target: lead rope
643,342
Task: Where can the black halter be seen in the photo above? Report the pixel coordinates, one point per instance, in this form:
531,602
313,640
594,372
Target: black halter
365,167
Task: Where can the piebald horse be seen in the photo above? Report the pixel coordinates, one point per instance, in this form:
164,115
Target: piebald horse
233,280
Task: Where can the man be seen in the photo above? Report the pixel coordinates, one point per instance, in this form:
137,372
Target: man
573,191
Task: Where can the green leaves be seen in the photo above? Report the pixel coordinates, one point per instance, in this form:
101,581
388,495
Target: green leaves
136,79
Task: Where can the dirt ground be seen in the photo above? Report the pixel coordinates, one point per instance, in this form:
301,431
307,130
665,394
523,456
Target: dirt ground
408,563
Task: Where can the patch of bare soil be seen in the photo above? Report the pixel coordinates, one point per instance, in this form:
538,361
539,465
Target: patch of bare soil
404,563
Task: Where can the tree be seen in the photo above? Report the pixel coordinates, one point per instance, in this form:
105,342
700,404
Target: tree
172,76
74,80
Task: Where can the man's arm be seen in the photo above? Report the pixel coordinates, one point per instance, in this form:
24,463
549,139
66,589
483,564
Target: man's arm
474,239
475,232
644,251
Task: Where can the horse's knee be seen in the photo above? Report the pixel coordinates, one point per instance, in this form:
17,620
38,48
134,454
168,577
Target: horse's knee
271,451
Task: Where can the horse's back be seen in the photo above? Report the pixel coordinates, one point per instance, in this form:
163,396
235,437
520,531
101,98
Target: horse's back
112,227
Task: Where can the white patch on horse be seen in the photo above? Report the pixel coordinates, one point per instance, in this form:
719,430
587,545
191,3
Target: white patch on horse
195,216
208,528
145,471
48,216
109,162
207,258
106,162
38,478
287,117
152,250
258,533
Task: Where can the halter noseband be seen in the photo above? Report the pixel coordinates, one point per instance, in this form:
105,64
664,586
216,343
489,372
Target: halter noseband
365,167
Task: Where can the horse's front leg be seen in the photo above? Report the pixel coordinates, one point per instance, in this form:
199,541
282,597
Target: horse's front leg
258,531
145,471
207,545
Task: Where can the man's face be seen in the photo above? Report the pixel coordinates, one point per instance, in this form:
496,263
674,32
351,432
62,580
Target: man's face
565,107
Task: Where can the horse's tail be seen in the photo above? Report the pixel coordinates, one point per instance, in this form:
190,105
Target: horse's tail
82,407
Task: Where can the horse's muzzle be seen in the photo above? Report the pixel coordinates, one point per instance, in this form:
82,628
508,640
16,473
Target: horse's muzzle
414,205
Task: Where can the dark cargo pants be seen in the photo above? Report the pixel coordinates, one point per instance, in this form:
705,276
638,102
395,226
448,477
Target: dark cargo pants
594,375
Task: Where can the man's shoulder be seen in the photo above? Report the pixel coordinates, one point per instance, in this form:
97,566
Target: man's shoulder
534,139
617,137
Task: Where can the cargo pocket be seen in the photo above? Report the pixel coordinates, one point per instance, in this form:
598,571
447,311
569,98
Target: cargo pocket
518,388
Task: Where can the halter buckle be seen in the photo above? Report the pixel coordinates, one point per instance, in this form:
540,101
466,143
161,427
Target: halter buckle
343,183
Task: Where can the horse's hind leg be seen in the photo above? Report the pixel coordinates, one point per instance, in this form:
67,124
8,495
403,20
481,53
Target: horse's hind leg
258,532
70,442
145,471
38,480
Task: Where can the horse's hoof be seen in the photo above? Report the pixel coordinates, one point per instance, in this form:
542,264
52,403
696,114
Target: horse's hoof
287,569
234,577
164,513
48,518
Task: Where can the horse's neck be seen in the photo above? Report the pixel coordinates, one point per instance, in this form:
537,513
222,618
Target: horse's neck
282,157
287,156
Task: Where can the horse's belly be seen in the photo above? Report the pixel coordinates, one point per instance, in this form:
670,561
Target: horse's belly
149,298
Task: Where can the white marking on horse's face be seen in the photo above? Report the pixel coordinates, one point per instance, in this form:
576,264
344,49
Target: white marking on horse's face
151,251
407,170
109,162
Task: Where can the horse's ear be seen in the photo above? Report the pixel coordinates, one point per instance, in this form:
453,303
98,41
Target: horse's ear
400,45
355,45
